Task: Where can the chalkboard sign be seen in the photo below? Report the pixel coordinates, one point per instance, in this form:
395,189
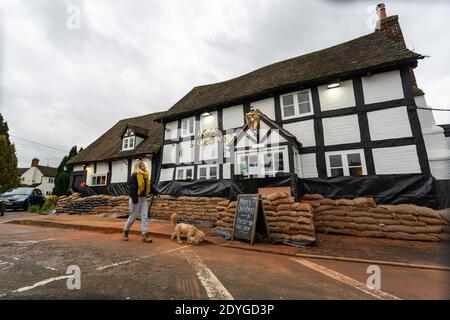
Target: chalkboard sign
250,219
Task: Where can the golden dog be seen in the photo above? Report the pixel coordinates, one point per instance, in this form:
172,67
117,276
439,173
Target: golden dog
191,232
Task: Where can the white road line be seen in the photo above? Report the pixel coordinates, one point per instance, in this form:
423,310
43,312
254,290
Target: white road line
2,295
41,283
50,268
347,280
119,263
214,288
31,241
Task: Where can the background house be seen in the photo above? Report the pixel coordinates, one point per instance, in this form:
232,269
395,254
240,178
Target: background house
41,177
106,164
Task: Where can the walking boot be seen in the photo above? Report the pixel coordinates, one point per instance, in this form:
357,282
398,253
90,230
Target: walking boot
146,238
125,236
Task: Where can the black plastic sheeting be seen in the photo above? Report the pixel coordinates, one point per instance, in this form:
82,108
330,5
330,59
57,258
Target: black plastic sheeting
385,189
116,189
204,188
419,189
442,190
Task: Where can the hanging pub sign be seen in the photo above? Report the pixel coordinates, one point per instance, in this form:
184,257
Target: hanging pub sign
250,219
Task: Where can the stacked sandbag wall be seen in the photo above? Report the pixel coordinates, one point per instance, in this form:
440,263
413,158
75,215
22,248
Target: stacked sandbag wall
187,208
101,205
363,217
287,219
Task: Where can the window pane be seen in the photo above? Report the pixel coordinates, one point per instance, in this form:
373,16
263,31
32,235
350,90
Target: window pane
191,125
213,172
268,161
303,97
188,173
337,172
304,108
253,161
288,100
180,174
356,171
289,111
335,161
131,143
279,161
202,173
125,143
354,159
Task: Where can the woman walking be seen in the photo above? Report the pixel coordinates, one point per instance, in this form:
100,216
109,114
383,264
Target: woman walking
139,190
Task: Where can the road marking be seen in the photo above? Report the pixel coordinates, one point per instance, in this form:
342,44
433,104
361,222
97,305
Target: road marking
115,264
2,295
31,241
41,283
214,288
50,268
346,280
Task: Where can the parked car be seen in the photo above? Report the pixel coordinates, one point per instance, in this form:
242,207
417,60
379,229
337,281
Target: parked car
21,198
2,206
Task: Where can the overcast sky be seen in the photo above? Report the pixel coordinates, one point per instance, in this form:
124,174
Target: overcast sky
63,87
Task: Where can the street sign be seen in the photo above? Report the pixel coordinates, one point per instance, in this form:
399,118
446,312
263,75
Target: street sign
250,219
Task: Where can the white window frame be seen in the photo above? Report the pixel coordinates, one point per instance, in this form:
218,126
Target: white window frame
344,158
260,155
126,143
94,178
184,169
208,171
297,113
185,131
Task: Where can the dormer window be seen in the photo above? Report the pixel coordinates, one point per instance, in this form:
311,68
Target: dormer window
128,143
132,136
129,140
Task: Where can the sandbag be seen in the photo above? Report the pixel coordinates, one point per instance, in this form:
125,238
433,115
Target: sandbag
276,196
312,197
327,201
286,200
365,202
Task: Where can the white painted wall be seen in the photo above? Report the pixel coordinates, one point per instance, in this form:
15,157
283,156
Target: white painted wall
396,160
209,122
78,167
186,151
102,167
166,174
233,117
382,87
171,131
389,123
337,98
308,166
119,172
226,167
437,145
304,131
209,152
31,176
266,106
89,173
338,130
169,153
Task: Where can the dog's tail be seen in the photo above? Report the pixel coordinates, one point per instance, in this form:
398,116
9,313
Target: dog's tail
173,217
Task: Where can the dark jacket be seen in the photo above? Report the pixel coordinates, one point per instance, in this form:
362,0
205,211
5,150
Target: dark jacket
132,182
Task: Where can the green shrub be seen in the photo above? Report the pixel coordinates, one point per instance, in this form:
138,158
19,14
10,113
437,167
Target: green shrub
33,208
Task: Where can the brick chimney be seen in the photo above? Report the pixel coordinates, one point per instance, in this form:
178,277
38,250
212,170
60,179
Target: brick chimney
35,162
390,28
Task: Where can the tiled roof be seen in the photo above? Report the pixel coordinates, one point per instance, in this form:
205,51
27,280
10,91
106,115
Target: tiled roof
366,52
109,145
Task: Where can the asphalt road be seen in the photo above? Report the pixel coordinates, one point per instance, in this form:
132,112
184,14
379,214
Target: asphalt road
34,260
